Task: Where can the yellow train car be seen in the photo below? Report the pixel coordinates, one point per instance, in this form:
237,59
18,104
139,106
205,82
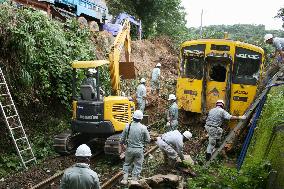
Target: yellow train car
212,69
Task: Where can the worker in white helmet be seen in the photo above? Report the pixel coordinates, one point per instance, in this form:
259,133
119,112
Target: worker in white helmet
155,81
80,176
91,81
134,137
213,124
141,95
171,144
172,114
278,43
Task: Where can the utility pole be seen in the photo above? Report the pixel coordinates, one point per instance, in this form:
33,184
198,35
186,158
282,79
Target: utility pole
201,27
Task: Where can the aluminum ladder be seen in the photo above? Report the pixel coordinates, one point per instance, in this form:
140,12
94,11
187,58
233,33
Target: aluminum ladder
14,124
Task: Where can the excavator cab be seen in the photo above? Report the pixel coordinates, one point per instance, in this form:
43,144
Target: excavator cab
88,102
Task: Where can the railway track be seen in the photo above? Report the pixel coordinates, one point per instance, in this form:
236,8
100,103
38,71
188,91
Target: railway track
118,176
52,181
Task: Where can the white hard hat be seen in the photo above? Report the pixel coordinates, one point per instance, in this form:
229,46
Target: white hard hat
92,70
187,134
158,65
138,114
220,102
142,80
172,97
268,36
83,151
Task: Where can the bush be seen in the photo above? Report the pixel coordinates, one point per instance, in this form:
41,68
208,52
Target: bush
220,176
38,51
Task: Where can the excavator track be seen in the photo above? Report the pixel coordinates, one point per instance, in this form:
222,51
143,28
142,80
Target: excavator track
66,143
112,145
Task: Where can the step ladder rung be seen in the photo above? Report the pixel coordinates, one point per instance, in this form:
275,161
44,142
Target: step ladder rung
20,138
11,116
16,127
29,148
4,94
33,159
8,105
2,83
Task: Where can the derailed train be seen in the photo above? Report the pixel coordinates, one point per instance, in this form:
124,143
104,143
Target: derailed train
212,69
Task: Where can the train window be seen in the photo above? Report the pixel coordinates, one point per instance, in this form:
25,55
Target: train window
246,71
220,47
217,72
246,66
192,67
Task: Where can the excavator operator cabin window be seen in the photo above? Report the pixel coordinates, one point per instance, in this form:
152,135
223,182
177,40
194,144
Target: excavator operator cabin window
217,72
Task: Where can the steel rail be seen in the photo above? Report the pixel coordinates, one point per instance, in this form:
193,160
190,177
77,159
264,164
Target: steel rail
56,177
118,176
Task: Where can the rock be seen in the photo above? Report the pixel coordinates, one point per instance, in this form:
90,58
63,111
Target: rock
141,185
163,181
188,160
159,181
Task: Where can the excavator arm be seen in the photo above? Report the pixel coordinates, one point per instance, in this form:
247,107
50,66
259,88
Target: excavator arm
123,16
122,40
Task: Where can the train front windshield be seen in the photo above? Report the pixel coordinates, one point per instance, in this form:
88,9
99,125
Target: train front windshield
246,67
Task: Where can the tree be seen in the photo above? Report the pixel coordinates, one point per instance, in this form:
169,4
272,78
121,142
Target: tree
159,17
280,14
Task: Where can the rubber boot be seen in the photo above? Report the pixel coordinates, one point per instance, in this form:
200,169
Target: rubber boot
208,156
134,180
124,180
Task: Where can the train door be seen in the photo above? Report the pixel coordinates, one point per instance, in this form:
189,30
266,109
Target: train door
217,81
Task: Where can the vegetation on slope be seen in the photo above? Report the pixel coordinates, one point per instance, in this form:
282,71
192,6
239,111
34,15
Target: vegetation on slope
221,176
268,141
36,55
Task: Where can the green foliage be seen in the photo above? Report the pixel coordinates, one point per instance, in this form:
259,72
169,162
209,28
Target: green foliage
280,14
248,33
159,17
267,142
37,53
220,176
9,162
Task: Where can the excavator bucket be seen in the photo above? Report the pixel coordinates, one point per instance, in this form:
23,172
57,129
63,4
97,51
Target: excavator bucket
127,70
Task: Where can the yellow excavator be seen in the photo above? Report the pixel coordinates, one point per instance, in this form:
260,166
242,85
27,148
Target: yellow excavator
96,117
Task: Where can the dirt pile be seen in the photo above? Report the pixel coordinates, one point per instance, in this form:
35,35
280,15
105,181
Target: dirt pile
146,54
